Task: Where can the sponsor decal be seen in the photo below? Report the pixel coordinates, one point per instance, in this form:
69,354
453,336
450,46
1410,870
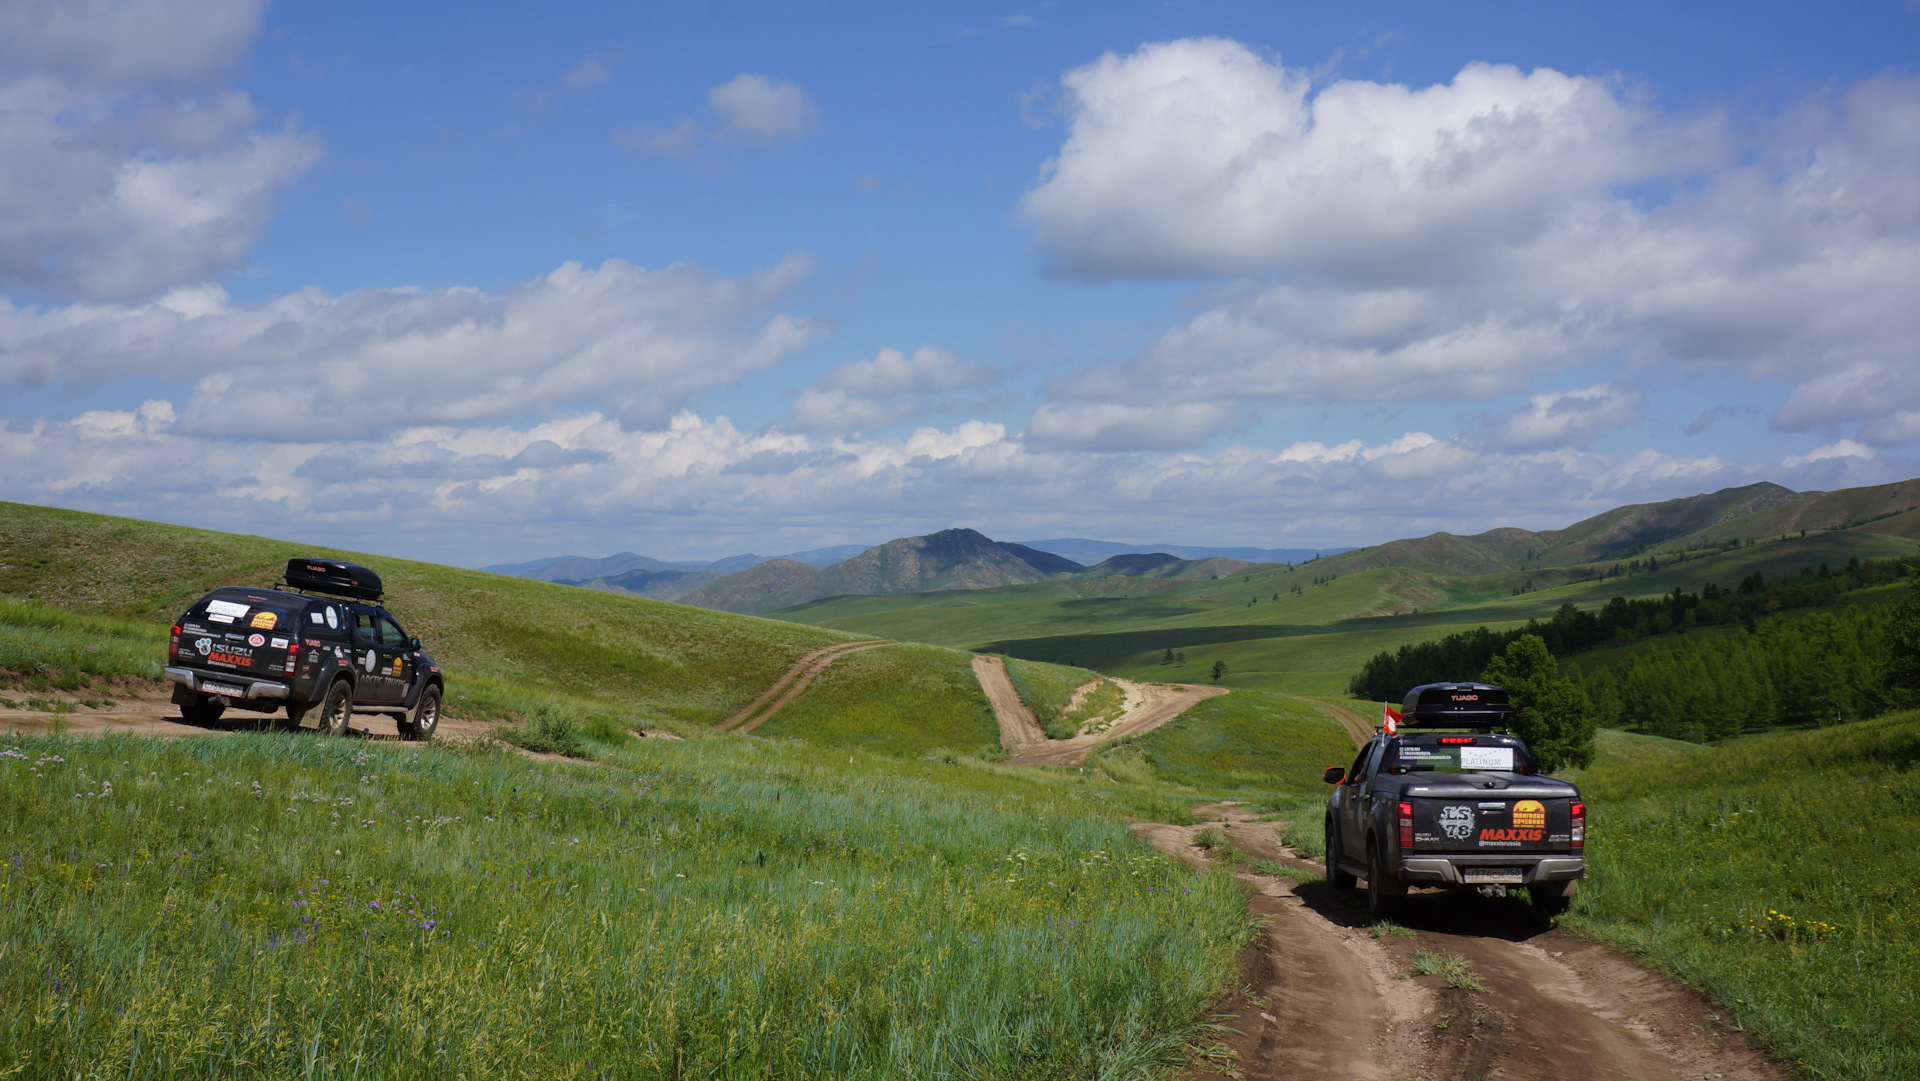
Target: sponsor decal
279,643
257,640
204,645
339,654
1511,837
314,642
1466,698
1456,820
333,617
234,656
1486,758
396,666
367,662
232,610
264,620
1529,814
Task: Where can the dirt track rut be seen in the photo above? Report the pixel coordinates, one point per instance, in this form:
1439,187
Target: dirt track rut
1326,997
1148,706
788,687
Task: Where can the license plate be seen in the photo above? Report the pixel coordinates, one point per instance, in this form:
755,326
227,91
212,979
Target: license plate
1492,874
225,689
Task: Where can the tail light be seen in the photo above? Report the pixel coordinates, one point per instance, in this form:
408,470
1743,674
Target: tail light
1406,827
293,656
1579,826
173,644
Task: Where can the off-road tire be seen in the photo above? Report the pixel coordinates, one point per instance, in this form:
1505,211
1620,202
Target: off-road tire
204,709
1337,877
336,709
1551,901
425,718
1383,893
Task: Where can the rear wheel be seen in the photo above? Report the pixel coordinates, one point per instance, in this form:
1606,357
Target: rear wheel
1383,893
336,709
1553,900
1338,878
204,709
426,716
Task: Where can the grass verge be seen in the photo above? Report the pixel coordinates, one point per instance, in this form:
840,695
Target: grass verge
1775,871
281,905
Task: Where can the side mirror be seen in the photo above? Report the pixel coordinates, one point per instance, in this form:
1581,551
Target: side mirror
414,643
1334,774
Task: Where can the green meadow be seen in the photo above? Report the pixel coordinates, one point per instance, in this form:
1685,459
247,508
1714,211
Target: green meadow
1776,872
279,905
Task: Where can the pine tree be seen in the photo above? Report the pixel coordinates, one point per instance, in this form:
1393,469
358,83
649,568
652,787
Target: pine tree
1551,714
1903,644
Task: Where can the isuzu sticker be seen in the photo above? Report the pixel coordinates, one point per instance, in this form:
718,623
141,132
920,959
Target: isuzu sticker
225,611
1487,758
1456,821
256,640
232,656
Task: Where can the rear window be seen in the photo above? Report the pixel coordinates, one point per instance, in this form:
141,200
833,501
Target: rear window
242,610
1459,754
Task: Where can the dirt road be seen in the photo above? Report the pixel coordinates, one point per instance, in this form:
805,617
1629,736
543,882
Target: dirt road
788,687
1147,707
1356,725
151,712
1328,997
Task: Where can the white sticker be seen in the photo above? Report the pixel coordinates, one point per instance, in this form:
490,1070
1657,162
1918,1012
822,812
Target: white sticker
1493,758
230,609
333,618
279,643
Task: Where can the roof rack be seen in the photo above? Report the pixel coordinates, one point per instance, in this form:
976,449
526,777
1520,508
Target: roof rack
1480,707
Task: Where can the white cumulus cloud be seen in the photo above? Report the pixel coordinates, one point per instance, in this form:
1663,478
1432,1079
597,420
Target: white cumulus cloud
758,109
314,365
891,386
121,173
1570,418
1845,448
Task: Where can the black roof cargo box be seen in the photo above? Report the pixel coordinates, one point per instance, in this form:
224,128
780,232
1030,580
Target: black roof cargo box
1457,705
334,577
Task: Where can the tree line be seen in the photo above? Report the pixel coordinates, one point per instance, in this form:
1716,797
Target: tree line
1818,668
1388,675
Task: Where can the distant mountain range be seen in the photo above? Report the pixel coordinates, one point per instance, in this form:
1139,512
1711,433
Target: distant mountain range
1755,511
681,580
1089,552
950,559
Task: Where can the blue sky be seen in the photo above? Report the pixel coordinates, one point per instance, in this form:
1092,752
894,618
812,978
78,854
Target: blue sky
486,282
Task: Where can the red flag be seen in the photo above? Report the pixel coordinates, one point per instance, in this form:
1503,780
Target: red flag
1391,720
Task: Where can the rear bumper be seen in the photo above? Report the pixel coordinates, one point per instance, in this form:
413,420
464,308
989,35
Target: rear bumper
250,686
1461,870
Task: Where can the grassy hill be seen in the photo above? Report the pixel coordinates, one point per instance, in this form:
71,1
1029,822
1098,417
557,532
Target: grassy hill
500,639
1274,638
1762,870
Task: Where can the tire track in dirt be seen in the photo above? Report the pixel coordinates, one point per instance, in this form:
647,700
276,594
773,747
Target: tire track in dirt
788,687
1148,706
1356,725
1327,995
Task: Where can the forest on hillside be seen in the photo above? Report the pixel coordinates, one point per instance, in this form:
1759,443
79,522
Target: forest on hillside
1809,667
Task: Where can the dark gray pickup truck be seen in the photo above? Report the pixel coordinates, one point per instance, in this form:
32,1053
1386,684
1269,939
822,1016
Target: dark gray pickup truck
1446,798
320,645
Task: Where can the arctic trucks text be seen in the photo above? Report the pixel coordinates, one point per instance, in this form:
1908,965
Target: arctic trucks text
1458,809
322,648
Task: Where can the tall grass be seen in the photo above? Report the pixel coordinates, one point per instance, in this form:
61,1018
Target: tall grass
1265,748
43,647
1777,871
904,699
285,906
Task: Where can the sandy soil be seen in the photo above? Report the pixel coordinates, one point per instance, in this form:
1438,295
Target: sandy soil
790,684
1324,997
1147,707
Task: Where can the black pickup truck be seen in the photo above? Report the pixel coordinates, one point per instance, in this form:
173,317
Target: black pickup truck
1454,804
318,644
